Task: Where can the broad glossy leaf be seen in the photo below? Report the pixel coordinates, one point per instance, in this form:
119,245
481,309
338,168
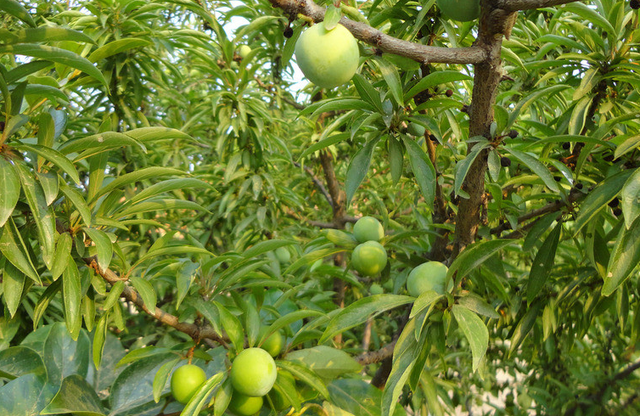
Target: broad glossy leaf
169,185
525,325
478,305
64,355
358,168
71,292
390,74
58,55
13,281
543,263
50,186
18,361
358,312
367,92
325,361
13,248
49,294
9,190
97,143
474,330
405,355
624,259
48,34
422,169
75,396
26,395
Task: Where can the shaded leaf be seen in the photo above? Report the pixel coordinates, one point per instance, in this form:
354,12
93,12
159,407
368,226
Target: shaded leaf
474,330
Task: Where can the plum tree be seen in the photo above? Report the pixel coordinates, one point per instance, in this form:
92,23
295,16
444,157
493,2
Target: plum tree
185,381
328,58
427,276
368,229
369,258
253,372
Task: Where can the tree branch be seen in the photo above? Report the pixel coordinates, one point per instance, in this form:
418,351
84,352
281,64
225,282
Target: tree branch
317,182
515,5
384,42
194,331
376,356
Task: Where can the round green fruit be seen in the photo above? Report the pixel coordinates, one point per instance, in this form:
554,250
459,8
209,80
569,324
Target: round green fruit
328,58
283,255
185,381
368,229
416,129
376,289
427,276
244,51
253,372
243,405
273,345
460,10
369,258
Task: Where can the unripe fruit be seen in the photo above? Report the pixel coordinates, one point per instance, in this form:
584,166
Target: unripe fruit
460,10
368,229
244,51
243,405
253,372
283,255
416,129
427,276
273,344
376,289
328,58
185,381
369,258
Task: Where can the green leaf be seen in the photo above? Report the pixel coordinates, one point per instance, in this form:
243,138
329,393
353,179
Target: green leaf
117,46
147,292
629,197
463,166
64,355
184,278
288,319
169,185
358,312
48,34
17,10
72,294
543,263
590,15
433,79
222,398
329,141
232,327
99,338
18,361
396,158
405,355
78,201
53,156
160,380
50,186
422,169
26,395
358,168
103,246
474,330
97,143
424,301
13,281
525,325
367,92
536,167
624,259
58,55
13,248
478,305
159,205
43,214
46,298
599,197
200,398
325,361
265,246
64,244
390,74
306,375
357,397
75,396
473,256
9,189
137,176
331,17
114,295
142,353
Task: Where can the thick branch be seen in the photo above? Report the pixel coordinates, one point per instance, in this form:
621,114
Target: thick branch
515,5
194,331
384,42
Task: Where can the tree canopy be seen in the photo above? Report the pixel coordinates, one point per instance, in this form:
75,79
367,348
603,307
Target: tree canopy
173,191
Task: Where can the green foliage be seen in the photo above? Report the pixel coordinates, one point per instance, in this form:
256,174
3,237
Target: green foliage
150,177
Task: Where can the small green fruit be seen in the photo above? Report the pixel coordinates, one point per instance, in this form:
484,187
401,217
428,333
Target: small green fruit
427,276
244,51
185,381
283,255
253,372
328,58
243,405
369,258
273,345
460,10
376,289
368,229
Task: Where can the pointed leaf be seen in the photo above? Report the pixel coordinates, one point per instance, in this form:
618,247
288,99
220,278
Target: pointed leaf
474,330
17,10
13,248
103,246
629,197
543,263
13,281
72,294
9,189
53,156
358,168
624,259
147,292
536,167
422,169
75,396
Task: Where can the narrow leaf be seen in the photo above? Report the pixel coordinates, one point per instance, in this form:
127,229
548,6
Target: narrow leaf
474,330
103,246
543,263
9,190
624,258
13,248
71,292
147,292
358,168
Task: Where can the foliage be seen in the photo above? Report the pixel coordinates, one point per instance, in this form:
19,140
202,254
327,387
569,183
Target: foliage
149,173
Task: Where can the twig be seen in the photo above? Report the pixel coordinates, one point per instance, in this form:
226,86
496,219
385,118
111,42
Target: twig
515,5
317,182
